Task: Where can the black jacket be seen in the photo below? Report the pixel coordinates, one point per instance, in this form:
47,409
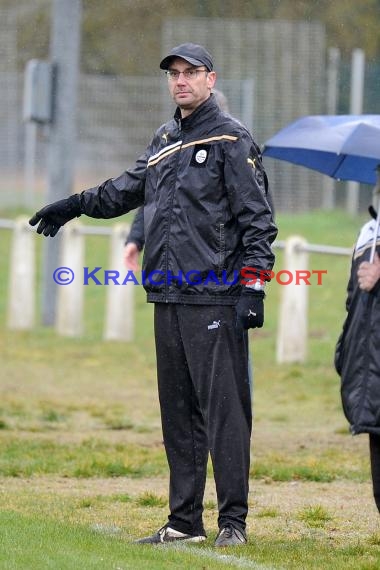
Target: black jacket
357,354
206,214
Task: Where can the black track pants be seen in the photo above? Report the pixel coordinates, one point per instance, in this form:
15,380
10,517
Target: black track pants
374,450
204,393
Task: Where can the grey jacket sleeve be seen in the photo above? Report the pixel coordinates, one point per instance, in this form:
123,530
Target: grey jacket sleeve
136,234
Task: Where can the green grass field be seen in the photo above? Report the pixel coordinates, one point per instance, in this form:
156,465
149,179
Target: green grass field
82,466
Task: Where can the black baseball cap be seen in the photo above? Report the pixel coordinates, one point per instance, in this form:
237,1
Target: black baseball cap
193,53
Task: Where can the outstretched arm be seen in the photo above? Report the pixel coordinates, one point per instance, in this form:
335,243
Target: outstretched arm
110,199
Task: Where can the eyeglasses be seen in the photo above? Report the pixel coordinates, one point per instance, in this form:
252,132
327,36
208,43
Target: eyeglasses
189,74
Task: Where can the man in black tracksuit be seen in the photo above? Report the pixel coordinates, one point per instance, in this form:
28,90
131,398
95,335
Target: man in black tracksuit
206,217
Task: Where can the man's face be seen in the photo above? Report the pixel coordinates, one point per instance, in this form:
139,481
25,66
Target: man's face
189,92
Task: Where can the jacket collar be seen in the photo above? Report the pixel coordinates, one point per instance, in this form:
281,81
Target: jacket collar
205,110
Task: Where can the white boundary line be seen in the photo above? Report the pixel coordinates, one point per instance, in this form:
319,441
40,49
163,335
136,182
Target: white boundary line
230,559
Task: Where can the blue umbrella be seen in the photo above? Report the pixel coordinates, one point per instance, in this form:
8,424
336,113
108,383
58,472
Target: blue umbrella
345,147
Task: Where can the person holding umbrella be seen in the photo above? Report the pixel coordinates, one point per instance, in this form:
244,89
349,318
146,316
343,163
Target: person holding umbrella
347,147
357,354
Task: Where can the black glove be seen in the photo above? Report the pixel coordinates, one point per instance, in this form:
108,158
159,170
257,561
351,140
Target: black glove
250,309
55,215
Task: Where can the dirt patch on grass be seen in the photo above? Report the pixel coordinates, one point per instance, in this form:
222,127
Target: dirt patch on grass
276,509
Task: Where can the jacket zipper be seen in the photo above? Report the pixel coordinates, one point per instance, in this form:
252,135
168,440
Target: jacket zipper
222,249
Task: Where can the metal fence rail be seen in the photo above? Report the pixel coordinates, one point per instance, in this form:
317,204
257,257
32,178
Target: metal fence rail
7,224
291,341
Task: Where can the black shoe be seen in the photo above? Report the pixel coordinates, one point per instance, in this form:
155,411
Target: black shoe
230,536
168,534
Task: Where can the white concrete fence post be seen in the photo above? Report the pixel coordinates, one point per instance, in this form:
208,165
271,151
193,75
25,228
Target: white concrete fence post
120,298
69,319
292,327
21,304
